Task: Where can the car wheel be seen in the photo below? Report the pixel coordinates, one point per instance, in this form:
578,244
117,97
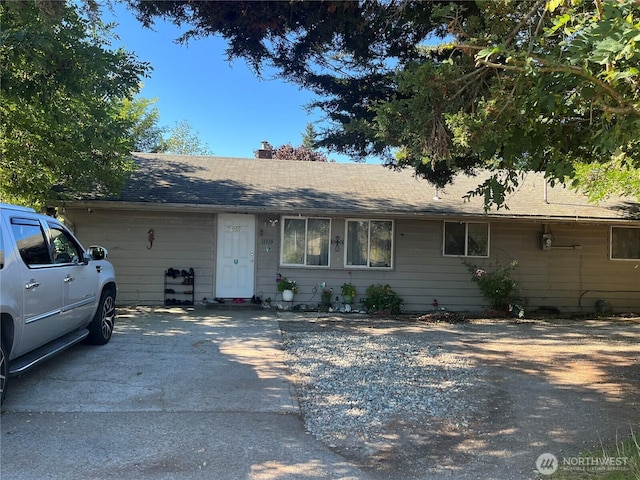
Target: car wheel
101,327
4,370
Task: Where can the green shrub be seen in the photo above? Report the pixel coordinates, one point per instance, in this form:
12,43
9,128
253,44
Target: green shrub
497,286
381,298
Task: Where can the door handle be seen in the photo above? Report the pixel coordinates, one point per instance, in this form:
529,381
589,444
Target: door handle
32,284
68,279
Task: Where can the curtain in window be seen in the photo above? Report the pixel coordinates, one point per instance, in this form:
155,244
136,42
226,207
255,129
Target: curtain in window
318,241
380,250
357,243
293,243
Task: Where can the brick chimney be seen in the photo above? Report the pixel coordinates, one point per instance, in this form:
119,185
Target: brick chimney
265,151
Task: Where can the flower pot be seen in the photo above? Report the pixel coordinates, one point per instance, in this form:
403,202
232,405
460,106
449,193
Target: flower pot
287,295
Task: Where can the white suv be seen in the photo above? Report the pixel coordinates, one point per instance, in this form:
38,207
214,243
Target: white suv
53,293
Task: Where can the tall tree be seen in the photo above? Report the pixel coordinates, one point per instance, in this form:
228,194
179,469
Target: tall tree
146,135
309,137
60,103
183,140
440,87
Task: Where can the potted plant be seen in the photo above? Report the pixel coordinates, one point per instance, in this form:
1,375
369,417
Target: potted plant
348,292
288,288
325,297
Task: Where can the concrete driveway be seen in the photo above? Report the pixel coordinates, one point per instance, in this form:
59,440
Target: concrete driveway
174,395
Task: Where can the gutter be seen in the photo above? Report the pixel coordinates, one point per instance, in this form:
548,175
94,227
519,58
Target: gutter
208,208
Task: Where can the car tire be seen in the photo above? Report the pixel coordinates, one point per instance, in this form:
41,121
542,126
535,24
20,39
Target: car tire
101,327
4,370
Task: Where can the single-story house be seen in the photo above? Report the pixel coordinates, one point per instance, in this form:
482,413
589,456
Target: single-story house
239,222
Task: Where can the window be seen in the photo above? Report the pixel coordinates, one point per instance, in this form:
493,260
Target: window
31,241
466,239
65,250
369,243
305,241
625,243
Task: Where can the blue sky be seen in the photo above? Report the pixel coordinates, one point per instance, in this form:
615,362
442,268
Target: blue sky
230,108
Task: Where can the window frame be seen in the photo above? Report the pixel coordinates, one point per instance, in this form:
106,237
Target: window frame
466,239
620,259
63,240
306,236
368,266
18,221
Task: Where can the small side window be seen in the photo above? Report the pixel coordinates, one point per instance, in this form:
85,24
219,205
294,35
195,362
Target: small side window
466,239
625,243
31,241
65,250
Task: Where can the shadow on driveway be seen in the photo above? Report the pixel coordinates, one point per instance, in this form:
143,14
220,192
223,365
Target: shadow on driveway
175,394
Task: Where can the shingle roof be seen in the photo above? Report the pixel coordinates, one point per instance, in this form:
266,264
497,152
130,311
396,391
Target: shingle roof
250,184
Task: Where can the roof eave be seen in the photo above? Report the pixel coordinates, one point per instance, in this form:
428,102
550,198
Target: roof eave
174,207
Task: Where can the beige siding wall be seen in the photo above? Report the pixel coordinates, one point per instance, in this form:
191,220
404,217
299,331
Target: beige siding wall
571,276
576,272
182,241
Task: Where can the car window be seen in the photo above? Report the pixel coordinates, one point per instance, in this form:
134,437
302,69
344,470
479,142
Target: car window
31,241
65,250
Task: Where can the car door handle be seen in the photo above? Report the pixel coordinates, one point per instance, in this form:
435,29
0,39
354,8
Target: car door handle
68,279
31,285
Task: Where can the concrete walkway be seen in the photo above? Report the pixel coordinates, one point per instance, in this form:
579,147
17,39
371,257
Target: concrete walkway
174,395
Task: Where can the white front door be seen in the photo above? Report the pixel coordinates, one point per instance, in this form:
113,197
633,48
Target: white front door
235,256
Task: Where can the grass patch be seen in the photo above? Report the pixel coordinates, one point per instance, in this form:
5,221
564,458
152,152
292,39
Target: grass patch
617,462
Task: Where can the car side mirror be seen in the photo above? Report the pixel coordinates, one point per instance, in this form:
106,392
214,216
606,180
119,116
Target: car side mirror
97,252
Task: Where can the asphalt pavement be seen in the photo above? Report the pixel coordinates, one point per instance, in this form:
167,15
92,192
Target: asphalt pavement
175,394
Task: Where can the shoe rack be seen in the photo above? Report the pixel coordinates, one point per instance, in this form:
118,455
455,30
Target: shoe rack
179,287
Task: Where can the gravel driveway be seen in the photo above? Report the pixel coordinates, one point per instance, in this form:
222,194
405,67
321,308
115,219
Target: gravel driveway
482,399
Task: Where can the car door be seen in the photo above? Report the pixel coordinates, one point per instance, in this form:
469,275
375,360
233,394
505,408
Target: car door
41,285
79,282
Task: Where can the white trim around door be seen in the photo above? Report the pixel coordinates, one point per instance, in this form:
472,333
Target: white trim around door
235,260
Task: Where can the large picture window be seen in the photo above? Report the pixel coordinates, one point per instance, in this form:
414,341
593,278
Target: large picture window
466,239
305,241
369,243
625,243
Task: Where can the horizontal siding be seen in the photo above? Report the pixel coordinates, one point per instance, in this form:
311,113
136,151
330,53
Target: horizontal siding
181,241
571,276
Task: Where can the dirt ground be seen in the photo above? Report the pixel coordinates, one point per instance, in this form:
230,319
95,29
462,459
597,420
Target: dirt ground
551,386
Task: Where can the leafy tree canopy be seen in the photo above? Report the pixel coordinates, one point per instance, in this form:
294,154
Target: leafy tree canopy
182,140
61,103
145,133
443,87
300,153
